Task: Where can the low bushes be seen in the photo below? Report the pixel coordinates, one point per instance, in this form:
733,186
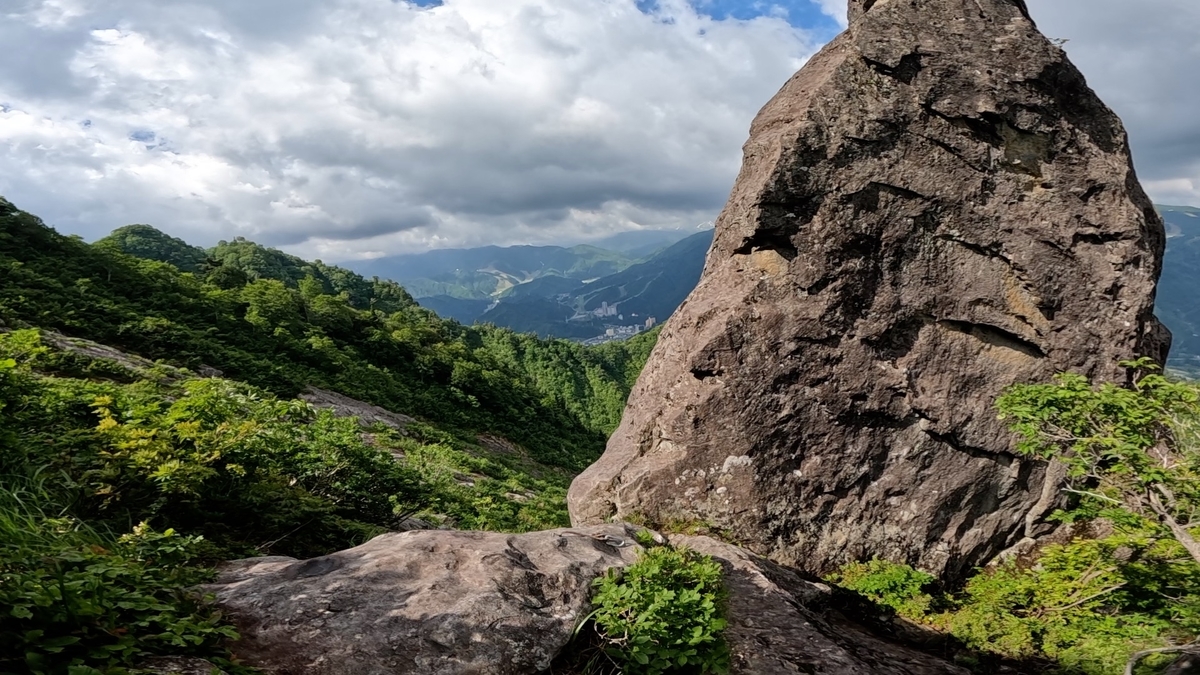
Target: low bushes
663,614
78,602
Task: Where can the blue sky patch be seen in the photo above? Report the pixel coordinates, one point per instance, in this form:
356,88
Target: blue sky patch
800,13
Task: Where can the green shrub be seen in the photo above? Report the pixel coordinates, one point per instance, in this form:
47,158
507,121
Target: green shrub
1087,605
664,613
892,585
1121,446
76,602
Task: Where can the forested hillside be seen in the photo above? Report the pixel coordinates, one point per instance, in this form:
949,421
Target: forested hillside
123,476
276,322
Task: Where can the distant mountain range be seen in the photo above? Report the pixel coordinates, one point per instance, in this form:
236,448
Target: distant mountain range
480,273
1178,299
578,292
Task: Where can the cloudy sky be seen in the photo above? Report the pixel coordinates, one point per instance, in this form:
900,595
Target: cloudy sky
353,128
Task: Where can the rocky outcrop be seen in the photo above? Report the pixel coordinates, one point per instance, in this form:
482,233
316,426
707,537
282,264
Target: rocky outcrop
935,207
459,603
344,406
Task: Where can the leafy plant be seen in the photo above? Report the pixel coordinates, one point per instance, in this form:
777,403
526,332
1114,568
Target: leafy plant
664,613
1122,458
75,601
899,587
1088,604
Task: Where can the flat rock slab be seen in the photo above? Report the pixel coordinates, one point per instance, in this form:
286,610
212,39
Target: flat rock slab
344,406
471,603
428,602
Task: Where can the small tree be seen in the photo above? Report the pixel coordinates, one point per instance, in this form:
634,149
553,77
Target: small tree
1131,452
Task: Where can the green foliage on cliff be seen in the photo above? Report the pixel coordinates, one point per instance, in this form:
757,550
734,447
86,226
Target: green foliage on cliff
1126,578
897,587
1130,452
1087,605
1079,608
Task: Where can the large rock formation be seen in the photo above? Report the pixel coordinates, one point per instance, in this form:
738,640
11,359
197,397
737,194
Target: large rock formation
935,207
473,603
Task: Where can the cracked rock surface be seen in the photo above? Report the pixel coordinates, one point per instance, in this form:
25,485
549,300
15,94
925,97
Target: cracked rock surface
433,602
935,207
475,603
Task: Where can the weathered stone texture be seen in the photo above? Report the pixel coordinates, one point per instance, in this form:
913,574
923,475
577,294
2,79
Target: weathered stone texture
935,207
430,602
473,603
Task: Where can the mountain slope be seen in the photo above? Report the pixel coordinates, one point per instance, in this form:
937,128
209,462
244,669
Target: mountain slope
286,339
480,273
554,306
541,316
654,288
462,310
144,241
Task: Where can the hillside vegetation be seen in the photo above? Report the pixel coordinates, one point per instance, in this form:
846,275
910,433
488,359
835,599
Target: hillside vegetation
118,485
122,477
276,322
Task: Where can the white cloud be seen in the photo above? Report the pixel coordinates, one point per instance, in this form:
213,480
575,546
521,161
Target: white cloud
52,14
344,128
1176,191
368,126
1141,58
835,9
